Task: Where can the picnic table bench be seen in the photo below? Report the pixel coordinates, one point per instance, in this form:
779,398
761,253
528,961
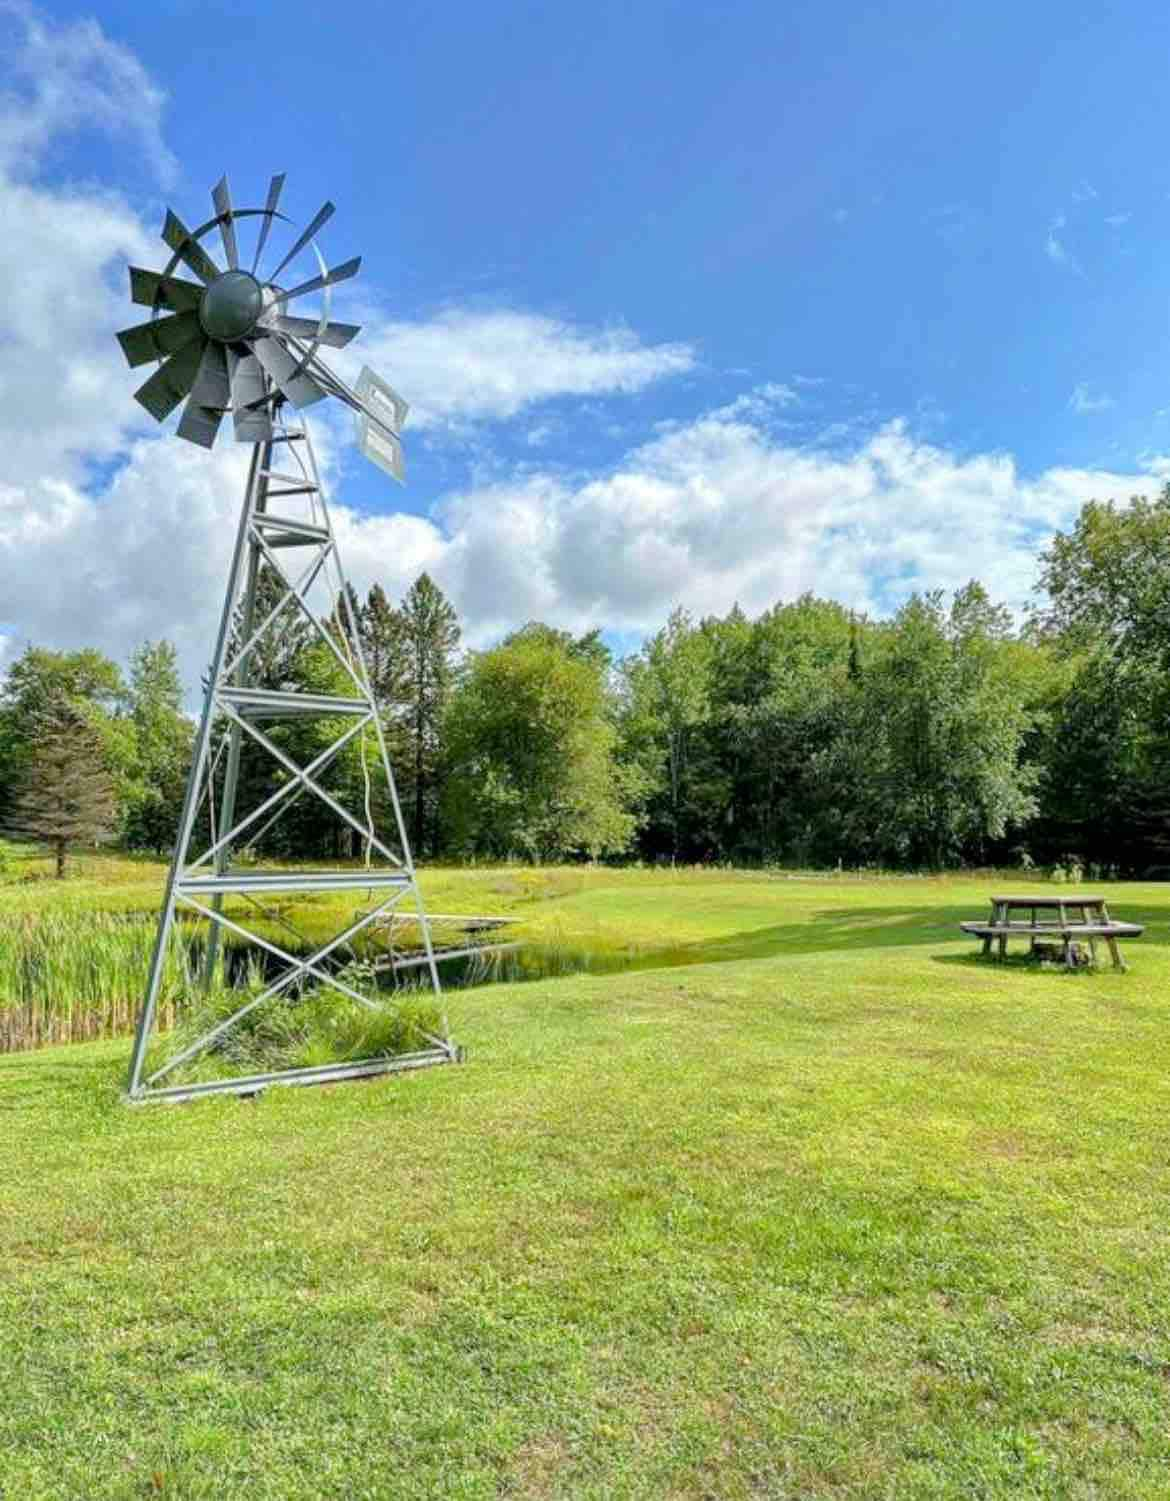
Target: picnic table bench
1053,917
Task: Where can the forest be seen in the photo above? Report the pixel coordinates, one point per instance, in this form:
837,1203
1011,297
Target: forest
950,734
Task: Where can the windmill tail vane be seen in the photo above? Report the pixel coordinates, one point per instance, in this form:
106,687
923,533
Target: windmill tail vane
230,342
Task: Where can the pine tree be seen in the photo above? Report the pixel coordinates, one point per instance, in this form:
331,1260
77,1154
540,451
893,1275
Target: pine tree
431,634
65,795
384,648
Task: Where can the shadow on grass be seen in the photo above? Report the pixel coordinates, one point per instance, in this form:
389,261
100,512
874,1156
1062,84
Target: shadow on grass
839,930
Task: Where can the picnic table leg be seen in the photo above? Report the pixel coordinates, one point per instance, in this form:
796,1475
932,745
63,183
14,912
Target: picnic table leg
1093,949
1003,946
1118,962
986,945
1067,940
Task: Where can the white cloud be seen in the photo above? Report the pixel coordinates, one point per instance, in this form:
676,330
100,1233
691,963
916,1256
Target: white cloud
718,511
64,77
1083,399
706,514
463,365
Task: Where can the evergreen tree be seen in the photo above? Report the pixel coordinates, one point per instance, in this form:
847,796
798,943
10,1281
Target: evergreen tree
383,634
271,661
430,635
35,686
64,795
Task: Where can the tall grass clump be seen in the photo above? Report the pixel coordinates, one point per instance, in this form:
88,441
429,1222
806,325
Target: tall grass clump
319,1027
75,976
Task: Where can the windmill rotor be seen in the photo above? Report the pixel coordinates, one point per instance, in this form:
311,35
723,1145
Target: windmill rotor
230,341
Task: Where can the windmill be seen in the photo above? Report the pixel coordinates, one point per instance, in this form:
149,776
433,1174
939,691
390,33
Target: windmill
239,341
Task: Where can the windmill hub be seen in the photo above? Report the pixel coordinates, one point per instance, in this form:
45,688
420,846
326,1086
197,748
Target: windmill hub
231,305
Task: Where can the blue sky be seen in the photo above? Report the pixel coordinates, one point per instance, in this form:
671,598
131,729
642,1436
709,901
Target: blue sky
775,281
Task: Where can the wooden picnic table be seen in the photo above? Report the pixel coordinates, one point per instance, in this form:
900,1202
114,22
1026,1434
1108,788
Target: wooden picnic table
1053,917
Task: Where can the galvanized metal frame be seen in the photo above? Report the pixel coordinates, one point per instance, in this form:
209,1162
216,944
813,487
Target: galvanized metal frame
232,701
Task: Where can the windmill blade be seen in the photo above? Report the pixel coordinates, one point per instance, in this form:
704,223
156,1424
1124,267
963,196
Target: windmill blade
151,289
178,237
199,424
212,387
161,394
158,338
274,191
336,335
253,423
301,389
222,199
331,278
324,213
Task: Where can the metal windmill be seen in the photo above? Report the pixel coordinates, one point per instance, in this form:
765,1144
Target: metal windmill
229,342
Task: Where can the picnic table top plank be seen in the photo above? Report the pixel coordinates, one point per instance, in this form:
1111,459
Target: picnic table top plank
1050,930
1068,899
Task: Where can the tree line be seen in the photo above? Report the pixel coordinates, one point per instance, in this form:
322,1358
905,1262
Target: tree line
809,735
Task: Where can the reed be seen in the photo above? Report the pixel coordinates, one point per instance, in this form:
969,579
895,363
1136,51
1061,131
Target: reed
73,976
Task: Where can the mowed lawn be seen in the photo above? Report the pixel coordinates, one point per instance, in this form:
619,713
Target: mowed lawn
815,1203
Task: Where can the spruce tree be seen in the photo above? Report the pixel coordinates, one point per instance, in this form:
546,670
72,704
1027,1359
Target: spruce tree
430,636
64,796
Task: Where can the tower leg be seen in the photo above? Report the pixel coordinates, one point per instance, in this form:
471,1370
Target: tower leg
191,796
258,491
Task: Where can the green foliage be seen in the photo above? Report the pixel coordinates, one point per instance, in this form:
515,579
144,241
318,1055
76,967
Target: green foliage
163,736
62,795
531,755
429,639
323,1026
1107,580
68,975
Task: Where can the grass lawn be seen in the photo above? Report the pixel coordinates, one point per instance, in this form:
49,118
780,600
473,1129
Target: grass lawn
814,1203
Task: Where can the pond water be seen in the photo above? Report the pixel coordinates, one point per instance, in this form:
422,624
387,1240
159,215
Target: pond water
489,964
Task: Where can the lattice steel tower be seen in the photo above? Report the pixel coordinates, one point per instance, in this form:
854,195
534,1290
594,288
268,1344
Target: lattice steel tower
229,344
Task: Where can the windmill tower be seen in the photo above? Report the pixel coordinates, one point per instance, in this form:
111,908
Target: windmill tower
230,344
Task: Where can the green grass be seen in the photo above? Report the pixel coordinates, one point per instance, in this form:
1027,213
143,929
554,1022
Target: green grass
818,1205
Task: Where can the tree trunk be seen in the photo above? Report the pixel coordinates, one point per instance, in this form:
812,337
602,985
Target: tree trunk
60,848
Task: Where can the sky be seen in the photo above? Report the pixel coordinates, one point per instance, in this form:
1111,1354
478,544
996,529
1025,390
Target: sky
694,304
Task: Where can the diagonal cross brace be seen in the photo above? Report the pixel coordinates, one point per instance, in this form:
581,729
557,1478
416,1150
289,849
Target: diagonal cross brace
307,580
297,967
298,595
319,763
303,777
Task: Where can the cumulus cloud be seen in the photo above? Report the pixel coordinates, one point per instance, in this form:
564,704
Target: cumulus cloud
88,558
465,365
708,513
719,511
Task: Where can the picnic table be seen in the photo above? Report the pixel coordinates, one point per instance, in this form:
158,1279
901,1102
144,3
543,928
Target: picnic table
1069,916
